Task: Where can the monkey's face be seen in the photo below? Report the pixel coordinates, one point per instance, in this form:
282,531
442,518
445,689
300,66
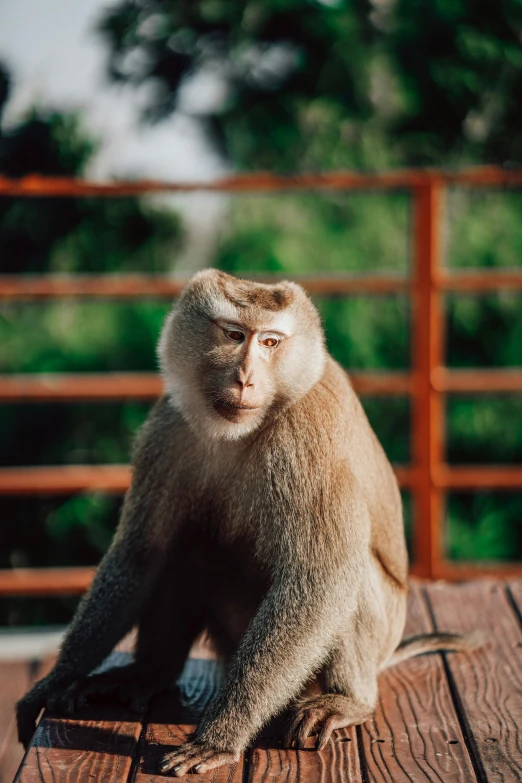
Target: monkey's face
242,365
234,351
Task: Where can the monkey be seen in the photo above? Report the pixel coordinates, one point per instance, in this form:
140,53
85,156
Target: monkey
262,510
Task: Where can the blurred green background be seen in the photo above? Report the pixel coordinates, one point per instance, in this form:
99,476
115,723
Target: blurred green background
307,86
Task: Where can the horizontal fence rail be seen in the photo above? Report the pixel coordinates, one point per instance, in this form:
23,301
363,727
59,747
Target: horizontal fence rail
67,479
127,286
260,182
99,387
45,581
429,478
160,286
53,387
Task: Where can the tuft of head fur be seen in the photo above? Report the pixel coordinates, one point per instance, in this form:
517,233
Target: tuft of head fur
200,367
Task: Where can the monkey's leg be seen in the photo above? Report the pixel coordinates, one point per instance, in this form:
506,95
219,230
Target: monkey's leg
288,638
349,682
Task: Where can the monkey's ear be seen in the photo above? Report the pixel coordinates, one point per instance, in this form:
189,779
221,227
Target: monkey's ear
163,342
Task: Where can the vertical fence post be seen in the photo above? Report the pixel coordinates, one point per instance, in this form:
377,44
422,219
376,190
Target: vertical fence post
427,413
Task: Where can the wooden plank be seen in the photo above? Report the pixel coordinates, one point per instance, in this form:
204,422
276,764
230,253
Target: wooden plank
98,743
415,733
93,387
70,387
36,185
69,479
15,678
138,286
456,571
338,762
14,682
515,595
45,581
428,347
135,286
64,479
465,381
480,280
483,476
487,683
162,737
172,720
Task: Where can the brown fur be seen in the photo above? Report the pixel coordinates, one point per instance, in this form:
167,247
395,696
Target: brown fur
261,493
244,293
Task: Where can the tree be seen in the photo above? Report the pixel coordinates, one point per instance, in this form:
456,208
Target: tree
319,84
329,83
69,235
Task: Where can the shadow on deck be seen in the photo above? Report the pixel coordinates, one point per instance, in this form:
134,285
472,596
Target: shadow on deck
450,717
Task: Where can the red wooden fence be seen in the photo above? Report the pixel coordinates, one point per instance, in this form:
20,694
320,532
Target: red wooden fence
428,478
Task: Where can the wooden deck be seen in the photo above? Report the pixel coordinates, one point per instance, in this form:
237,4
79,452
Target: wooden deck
444,718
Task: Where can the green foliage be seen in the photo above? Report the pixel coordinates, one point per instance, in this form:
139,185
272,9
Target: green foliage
484,430
70,235
328,84
309,85
69,336
484,526
296,235
305,233
484,331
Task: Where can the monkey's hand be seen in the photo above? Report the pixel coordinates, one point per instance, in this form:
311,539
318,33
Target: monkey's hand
319,715
199,756
127,684
30,706
27,712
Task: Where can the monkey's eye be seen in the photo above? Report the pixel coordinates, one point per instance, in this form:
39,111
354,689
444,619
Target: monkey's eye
269,342
235,335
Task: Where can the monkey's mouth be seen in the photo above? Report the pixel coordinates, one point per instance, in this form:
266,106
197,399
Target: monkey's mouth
233,411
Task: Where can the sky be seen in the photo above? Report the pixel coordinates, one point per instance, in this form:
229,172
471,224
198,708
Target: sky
57,61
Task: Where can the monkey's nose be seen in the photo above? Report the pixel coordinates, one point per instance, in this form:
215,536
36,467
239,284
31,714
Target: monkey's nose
244,379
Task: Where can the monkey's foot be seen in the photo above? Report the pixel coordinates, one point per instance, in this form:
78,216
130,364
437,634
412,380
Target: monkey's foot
321,715
122,683
196,756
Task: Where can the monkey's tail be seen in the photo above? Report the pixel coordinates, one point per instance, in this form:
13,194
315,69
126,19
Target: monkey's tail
436,642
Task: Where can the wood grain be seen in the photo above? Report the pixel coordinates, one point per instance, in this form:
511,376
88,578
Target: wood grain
515,595
173,719
160,738
415,733
15,678
488,682
97,745
337,763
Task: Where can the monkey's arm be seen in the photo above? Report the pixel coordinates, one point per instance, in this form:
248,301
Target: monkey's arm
285,643
121,585
103,617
